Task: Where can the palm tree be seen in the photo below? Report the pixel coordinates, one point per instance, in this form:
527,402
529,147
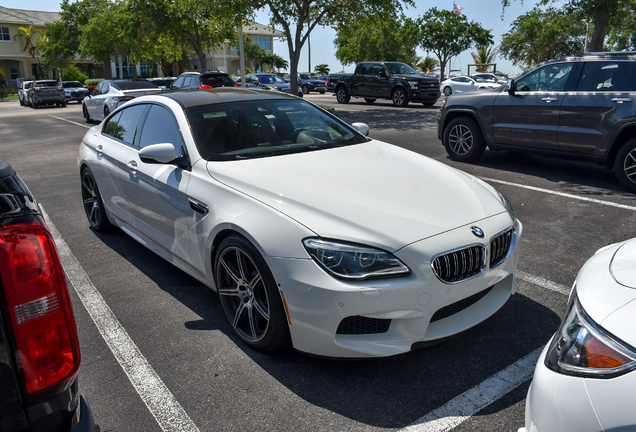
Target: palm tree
322,69
427,64
279,62
31,42
485,56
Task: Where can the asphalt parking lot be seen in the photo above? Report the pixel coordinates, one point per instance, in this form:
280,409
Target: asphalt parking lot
158,354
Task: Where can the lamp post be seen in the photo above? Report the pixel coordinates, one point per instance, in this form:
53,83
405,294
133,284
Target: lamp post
587,32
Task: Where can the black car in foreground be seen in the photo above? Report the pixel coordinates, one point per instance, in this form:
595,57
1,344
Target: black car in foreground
580,107
39,347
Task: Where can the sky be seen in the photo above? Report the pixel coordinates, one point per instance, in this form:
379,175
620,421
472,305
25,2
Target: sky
487,13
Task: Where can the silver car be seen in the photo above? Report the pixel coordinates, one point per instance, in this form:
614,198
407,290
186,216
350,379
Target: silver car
109,94
23,92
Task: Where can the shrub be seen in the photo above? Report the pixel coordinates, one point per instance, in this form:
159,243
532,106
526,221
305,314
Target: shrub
73,74
93,81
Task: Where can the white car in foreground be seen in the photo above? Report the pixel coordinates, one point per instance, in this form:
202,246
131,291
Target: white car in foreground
584,379
462,84
310,232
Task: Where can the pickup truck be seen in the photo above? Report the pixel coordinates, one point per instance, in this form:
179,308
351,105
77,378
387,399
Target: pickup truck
385,80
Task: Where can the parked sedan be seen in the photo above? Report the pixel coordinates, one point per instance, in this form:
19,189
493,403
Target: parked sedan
273,82
74,91
109,94
310,232
585,377
39,346
46,92
462,84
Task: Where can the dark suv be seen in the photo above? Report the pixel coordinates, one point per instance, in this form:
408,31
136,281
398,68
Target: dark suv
39,347
581,107
202,80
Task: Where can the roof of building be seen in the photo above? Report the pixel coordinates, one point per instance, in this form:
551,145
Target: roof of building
260,28
28,17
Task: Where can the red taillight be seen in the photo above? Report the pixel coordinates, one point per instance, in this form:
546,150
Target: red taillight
237,84
39,306
204,86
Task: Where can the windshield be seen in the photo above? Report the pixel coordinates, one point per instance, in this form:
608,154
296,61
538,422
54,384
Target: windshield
264,128
46,84
133,85
269,79
306,77
71,84
401,68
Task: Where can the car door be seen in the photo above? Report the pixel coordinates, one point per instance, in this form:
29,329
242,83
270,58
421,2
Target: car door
379,82
160,208
601,105
528,116
110,169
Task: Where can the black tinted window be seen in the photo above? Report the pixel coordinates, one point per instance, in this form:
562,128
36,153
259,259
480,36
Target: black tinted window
217,80
549,78
133,85
606,76
127,125
160,127
71,84
111,127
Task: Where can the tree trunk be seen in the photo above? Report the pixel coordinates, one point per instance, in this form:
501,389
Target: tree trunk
175,68
108,71
202,62
294,56
600,29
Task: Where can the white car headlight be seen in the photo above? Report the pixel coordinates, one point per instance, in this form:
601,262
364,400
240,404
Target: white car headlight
351,261
413,84
582,348
508,206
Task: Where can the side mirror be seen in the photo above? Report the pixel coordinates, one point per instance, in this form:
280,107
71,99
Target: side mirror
363,128
511,86
160,153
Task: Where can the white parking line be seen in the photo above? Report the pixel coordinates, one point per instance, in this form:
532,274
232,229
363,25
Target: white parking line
566,195
467,404
159,400
544,283
71,121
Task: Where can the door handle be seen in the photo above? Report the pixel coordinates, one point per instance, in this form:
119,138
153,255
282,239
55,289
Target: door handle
550,99
100,149
132,165
621,100
198,206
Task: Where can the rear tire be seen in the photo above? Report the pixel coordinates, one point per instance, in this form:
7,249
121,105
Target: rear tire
625,165
249,295
93,204
106,112
463,140
342,95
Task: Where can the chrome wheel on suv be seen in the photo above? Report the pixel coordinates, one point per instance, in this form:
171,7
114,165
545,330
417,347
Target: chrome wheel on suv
625,165
463,140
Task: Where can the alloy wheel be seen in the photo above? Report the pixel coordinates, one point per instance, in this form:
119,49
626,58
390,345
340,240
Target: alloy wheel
243,294
460,139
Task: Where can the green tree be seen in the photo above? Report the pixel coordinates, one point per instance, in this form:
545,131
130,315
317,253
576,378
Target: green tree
387,38
73,74
322,69
603,15
300,17
446,34
102,38
622,36
427,64
541,35
486,55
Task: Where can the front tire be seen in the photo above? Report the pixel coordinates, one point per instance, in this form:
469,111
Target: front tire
625,165
249,296
342,96
400,98
305,89
448,91
463,140
93,204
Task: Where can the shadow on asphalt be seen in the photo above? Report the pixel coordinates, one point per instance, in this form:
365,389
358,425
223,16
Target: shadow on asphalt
387,393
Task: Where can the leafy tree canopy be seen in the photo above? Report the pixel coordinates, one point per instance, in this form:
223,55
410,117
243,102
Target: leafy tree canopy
380,38
541,35
446,34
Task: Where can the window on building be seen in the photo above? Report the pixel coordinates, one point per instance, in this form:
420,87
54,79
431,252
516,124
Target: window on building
14,73
4,34
264,42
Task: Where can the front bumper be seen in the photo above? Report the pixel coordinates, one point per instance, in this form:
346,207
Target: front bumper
424,96
557,402
318,303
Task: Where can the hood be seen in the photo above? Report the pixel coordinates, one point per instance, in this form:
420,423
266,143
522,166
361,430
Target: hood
606,287
417,77
372,193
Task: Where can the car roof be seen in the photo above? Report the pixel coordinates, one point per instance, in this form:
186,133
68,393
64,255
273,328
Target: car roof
194,97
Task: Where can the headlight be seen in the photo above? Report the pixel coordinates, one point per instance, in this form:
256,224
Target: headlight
508,206
350,261
413,84
582,348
